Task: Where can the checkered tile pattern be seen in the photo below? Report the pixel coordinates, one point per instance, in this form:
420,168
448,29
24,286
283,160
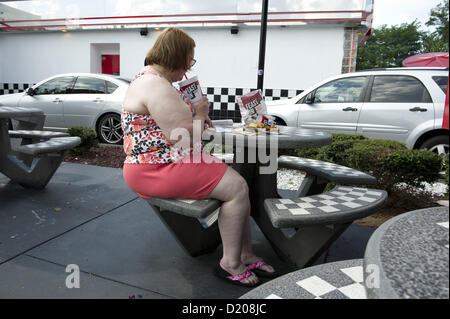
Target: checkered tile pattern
331,171
10,88
224,103
322,289
326,281
338,203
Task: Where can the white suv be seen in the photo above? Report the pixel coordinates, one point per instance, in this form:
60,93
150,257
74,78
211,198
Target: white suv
403,104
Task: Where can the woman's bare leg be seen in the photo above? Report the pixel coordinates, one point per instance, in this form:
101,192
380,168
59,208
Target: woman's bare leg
233,215
247,255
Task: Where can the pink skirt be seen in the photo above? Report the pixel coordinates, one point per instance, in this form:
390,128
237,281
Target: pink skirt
175,180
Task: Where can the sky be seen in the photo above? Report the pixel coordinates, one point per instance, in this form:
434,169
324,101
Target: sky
389,12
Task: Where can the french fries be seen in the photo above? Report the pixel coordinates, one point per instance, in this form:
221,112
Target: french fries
258,126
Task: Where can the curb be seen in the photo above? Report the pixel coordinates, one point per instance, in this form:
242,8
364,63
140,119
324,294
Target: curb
443,202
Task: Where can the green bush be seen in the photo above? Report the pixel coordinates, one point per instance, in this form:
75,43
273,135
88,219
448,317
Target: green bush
390,162
88,139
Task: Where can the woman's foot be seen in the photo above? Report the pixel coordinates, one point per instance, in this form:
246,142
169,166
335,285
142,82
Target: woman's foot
236,269
262,266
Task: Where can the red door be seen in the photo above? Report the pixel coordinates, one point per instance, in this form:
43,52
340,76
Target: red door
111,64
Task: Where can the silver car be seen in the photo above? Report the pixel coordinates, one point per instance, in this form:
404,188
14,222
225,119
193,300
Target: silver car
77,99
403,104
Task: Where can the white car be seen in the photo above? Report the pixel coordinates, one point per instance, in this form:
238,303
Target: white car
77,99
402,104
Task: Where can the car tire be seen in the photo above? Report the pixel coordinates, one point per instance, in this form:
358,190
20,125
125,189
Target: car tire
109,129
437,144
279,122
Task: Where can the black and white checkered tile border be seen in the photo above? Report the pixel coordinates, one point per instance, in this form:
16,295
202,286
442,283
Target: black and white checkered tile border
10,88
223,100
224,103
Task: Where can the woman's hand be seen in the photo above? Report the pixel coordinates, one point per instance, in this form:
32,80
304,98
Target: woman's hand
202,107
209,122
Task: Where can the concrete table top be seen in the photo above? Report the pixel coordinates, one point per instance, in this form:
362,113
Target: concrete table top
411,254
337,280
10,111
288,138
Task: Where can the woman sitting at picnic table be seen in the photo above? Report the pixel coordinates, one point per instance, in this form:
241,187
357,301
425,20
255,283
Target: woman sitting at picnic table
156,166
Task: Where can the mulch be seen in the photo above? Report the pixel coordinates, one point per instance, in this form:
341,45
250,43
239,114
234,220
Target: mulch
102,155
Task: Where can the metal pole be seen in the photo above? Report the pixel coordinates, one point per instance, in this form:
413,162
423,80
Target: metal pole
262,45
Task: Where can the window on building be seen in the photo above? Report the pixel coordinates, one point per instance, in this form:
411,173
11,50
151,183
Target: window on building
87,85
442,82
55,86
110,87
341,91
398,89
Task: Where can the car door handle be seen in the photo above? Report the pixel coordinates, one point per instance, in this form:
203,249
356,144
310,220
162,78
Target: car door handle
418,109
97,100
57,100
350,109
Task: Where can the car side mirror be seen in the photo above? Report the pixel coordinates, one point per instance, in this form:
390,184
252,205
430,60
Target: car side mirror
30,91
309,98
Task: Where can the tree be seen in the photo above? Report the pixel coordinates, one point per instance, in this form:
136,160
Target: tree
438,40
389,46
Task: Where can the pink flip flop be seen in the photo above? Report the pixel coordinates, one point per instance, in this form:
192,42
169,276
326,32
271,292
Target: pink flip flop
259,272
236,279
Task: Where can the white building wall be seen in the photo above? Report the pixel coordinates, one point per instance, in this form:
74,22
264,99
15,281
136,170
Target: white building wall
296,57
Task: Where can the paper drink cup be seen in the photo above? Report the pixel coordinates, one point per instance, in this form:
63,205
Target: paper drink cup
191,88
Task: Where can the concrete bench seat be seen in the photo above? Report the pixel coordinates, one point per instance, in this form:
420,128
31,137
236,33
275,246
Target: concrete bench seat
337,280
340,205
304,227
333,172
191,222
35,134
55,144
188,207
319,174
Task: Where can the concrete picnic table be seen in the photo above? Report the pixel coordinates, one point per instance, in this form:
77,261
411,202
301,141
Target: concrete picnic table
261,179
408,256
35,160
299,228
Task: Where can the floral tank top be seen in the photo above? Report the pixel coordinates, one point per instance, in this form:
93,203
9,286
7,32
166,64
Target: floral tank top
143,140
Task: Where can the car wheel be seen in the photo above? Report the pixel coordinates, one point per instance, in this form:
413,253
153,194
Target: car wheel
279,122
109,129
437,144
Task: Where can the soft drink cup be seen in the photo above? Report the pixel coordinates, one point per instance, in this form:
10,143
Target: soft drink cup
191,88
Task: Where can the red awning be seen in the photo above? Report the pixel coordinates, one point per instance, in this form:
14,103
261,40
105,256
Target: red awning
427,59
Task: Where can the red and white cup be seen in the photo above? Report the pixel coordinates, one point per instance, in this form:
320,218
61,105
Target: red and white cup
191,88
